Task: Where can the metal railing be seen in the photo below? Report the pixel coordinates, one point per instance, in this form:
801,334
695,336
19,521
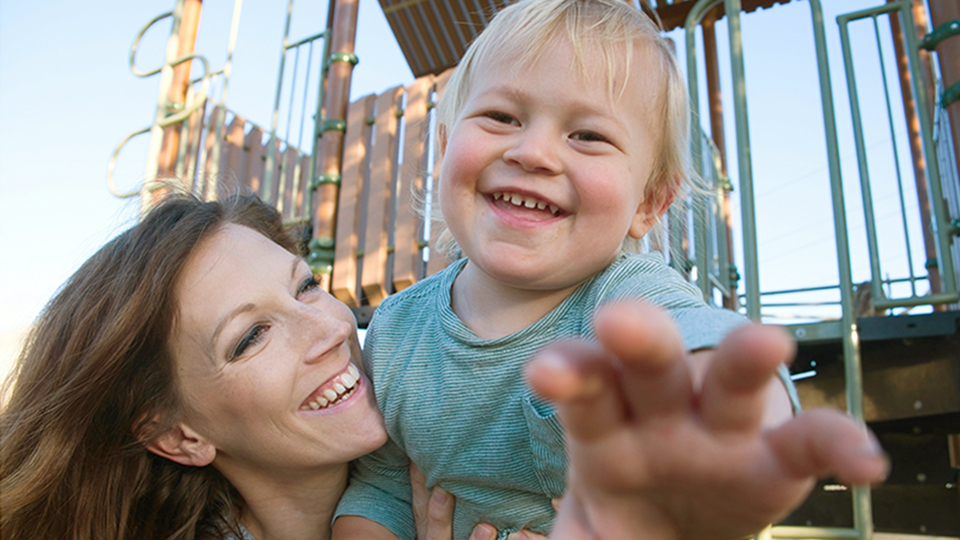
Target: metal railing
940,221
863,524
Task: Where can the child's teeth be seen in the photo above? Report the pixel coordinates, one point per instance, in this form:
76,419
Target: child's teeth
516,200
553,209
496,196
530,202
541,205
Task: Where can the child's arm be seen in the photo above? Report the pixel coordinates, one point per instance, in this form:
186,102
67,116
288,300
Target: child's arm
377,502
652,458
360,527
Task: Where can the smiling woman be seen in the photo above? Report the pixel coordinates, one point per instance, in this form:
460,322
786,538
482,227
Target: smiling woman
172,389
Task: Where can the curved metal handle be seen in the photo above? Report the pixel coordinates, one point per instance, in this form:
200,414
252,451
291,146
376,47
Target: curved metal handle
136,43
200,98
113,163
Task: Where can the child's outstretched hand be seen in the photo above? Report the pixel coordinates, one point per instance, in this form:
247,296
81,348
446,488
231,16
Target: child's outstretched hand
651,457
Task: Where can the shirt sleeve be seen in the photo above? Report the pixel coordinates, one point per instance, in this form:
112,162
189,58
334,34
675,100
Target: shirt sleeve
379,490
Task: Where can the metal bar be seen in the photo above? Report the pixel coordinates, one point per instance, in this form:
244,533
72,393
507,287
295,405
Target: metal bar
941,219
745,165
272,146
864,169
896,161
813,532
231,44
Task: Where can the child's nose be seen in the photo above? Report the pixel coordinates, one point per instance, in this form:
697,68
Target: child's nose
534,150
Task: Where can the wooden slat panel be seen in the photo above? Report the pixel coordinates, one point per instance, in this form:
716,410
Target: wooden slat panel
382,170
344,283
288,179
274,196
232,162
254,163
408,226
208,180
437,261
303,184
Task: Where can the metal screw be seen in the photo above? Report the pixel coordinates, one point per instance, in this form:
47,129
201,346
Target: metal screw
917,405
800,333
921,477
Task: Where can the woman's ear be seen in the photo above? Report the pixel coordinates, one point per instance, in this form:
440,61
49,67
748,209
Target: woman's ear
651,209
442,139
183,445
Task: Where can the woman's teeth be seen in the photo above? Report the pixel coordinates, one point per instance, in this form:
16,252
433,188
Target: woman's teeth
343,387
527,202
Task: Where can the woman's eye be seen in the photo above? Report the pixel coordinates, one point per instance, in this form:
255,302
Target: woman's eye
589,136
309,284
251,338
503,118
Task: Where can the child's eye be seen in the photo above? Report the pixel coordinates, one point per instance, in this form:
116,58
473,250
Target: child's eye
251,338
503,118
590,136
309,284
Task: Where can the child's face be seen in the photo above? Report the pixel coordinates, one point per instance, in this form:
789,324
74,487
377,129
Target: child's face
544,173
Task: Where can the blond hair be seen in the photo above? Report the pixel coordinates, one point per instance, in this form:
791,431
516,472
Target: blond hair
612,27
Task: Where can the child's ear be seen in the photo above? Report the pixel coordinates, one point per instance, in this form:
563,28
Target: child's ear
652,208
183,445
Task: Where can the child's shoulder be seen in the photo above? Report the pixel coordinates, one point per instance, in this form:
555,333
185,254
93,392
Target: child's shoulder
425,290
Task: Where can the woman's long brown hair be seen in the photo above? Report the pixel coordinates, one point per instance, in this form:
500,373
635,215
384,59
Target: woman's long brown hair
94,378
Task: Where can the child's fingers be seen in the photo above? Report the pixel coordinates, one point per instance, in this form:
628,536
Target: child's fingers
734,392
581,380
825,442
656,379
421,499
440,515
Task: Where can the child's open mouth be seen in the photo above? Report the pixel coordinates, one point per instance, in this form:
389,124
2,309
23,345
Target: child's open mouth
525,206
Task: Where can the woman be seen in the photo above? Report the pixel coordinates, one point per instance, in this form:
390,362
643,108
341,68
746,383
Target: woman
192,381
132,356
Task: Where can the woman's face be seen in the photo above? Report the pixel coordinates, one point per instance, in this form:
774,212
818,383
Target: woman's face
267,361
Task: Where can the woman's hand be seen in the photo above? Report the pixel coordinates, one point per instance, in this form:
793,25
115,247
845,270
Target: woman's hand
650,457
434,514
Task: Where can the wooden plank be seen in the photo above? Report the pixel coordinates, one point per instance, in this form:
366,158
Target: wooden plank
344,284
408,265
208,180
303,184
231,156
273,198
194,126
288,180
437,261
254,163
375,278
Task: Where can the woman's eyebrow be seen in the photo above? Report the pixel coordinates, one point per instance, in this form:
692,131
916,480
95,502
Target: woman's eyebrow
223,322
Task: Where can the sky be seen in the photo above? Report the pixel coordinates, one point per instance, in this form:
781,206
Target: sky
67,99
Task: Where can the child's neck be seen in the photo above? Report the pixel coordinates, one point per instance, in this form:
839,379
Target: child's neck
492,309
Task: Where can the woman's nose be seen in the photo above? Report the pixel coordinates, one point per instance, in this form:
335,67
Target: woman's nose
534,150
320,331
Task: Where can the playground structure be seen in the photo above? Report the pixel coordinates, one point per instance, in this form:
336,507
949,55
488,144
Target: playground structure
887,349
